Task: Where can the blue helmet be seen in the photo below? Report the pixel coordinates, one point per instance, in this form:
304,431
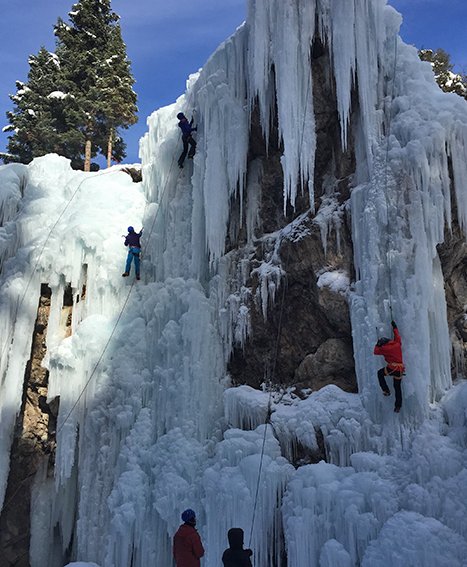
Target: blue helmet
131,229
188,515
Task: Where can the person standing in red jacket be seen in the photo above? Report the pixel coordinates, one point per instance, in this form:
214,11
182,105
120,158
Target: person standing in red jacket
187,546
392,352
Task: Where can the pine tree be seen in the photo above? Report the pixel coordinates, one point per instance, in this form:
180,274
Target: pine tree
116,82
447,80
37,120
97,72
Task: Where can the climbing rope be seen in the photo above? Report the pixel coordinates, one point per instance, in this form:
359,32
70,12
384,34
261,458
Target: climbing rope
277,345
19,304
125,303
268,419
388,113
269,410
143,250
12,497
34,269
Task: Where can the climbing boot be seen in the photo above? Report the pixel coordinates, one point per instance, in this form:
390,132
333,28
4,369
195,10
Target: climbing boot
125,274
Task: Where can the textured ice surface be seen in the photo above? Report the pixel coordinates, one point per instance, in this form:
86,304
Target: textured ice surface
152,433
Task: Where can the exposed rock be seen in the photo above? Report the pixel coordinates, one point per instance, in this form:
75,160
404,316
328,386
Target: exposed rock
33,443
303,315
135,173
332,361
337,309
453,257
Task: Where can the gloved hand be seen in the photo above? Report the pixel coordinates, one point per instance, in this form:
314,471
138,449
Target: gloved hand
393,323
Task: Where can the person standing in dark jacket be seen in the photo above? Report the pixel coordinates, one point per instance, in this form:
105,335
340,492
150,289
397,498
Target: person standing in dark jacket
187,546
235,555
392,352
132,240
187,139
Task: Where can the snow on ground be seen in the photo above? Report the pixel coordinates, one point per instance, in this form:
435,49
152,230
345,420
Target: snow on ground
382,484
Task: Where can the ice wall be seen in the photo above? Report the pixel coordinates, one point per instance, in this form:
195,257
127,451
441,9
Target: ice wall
53,201
402,130
14,179
145,434
384,497
405,207
406,135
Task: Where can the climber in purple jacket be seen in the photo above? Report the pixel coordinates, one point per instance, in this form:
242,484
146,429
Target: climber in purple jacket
187,139
132,240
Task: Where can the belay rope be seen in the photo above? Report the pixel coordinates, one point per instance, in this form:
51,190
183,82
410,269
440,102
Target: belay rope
34,269
125,303
269,407
143,250
386,195
10,337
9,340
277,345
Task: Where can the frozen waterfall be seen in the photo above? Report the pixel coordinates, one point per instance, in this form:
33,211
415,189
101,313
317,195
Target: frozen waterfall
148,424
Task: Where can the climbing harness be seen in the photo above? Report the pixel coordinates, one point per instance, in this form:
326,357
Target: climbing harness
394,367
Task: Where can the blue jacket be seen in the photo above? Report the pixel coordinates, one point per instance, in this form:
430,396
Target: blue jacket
132,239
186,127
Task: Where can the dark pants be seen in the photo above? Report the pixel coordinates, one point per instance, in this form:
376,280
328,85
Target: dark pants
382,372
187,140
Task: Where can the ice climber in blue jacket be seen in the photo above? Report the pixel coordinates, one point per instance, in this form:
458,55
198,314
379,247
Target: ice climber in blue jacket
187,139
132,240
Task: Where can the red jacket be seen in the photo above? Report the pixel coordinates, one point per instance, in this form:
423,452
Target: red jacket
188,548
392,352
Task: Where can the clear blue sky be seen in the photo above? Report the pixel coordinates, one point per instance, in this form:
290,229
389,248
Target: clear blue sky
169,40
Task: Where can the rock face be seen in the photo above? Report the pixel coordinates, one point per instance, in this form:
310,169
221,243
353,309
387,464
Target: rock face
306,323
333,360
32,447
135,173
453,256
303,338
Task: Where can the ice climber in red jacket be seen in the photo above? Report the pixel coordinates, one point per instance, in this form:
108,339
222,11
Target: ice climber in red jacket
392,352
188,548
